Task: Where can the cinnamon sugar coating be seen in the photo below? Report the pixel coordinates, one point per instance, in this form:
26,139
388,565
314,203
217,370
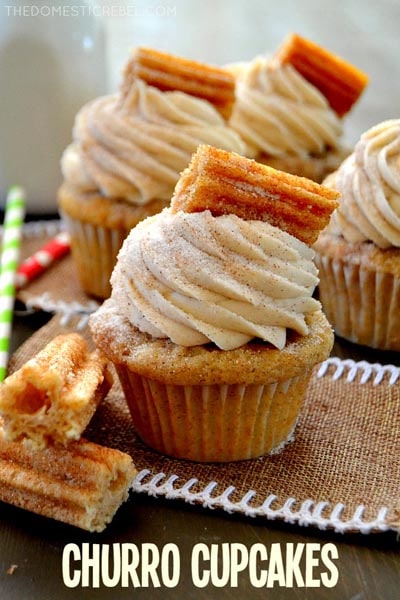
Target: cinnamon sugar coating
53,396
82,484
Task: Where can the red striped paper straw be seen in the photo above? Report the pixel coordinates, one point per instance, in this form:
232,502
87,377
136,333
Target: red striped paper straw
41,260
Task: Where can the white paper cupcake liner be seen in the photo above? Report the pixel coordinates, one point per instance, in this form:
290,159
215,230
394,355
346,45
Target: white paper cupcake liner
213,423
94,250
362,305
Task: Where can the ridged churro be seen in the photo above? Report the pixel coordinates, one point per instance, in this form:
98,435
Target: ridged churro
53,396
82,484
339,81
168,73
225,183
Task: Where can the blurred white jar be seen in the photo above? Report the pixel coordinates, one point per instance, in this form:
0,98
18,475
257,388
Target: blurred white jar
52,61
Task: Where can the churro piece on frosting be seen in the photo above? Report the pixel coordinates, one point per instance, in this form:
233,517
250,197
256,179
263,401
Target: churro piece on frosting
53,396
339,81
224,182
174,73
82,484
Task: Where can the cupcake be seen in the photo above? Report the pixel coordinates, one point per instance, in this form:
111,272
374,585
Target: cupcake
128,151
211,324
358,254
289,108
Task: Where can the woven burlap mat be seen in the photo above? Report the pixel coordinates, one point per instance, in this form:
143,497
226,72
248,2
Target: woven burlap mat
342,471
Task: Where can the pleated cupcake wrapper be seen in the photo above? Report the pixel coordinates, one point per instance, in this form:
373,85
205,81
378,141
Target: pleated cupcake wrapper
214,423
94,250
362,305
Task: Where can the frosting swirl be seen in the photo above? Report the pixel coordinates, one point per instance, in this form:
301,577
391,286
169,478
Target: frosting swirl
135,149
369,183
278,112
196,278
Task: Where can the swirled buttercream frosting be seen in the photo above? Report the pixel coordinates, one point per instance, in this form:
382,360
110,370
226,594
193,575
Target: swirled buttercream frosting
369,184
195,278
278,112
135,149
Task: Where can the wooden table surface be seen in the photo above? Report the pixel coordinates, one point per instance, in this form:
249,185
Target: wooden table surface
31,548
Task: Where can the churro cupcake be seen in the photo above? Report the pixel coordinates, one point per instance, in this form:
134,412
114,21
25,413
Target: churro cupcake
211,323
128,151
358,254
289,108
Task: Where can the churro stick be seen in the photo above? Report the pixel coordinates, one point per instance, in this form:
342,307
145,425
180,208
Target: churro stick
224,182
82,484
168,73
53,396
339,81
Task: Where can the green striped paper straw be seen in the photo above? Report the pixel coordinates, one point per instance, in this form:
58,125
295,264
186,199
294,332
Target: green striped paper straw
10,248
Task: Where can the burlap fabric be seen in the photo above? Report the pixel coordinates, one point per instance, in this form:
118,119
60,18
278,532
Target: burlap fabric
342,471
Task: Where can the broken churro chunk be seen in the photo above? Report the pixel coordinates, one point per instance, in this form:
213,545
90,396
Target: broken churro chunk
53,396
224,182
82,484
340,82
173,73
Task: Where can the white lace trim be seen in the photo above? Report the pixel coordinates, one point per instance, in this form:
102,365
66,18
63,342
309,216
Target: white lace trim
320,514
68,310
309,513
350,369
34,229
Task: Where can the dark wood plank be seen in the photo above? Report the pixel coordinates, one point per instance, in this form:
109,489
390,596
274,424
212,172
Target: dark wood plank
369,566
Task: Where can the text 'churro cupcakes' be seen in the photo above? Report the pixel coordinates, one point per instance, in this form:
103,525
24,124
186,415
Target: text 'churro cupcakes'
129,149
211,323
289,108
358,254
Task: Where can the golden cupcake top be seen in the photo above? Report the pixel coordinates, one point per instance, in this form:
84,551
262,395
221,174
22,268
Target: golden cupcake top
215,267
369,184
134,144
293,102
